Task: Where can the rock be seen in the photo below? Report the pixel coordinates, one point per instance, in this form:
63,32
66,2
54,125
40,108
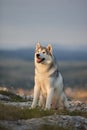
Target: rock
3,97
65,121
19,104
77,105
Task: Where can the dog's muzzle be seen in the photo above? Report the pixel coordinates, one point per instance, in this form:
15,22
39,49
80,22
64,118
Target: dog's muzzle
39,59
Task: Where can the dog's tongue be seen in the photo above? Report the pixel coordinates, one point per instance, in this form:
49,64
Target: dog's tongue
39,59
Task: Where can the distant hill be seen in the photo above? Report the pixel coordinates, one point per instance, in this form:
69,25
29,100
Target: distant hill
60,54
25,54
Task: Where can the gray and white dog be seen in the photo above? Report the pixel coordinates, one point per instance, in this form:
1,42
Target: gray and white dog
48,89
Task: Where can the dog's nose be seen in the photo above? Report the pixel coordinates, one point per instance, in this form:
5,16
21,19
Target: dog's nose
37,55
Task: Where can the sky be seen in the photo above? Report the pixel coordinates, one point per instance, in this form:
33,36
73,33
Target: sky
24,22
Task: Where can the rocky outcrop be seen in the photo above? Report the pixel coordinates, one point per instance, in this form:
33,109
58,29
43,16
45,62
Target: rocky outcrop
65,121
77,106
4,97
18,104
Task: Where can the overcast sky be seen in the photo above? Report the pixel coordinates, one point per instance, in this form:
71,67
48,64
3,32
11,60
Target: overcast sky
24,22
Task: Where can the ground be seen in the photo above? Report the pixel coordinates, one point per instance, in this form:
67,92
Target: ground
19,116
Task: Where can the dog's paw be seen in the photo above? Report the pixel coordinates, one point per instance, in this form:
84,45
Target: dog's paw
47,108
33,106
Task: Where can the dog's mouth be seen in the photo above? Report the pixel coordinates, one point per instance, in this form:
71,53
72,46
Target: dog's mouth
39,60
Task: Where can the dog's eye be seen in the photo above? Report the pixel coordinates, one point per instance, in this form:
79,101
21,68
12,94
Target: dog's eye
44,52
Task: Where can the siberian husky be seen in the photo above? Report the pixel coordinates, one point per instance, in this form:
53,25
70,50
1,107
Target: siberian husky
48,89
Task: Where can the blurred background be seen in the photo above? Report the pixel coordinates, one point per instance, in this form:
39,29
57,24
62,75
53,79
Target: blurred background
63,23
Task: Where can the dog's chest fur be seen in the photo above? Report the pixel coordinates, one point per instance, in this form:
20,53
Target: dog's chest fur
45,76
42,75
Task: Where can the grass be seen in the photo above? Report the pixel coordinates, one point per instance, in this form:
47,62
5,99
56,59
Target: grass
2,127
53,127
16,113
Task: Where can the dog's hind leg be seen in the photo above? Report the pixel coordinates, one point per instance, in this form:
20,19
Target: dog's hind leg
64,100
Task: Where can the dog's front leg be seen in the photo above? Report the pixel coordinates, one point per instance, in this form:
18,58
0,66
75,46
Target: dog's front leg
36,96
49,98
42,101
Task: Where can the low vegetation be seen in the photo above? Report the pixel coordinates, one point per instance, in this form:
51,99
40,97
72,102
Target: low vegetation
16,113
53,127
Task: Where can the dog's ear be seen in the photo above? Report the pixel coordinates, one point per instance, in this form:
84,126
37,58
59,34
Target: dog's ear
38,46
49,47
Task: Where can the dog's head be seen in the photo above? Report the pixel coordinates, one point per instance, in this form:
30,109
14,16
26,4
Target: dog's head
43,55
